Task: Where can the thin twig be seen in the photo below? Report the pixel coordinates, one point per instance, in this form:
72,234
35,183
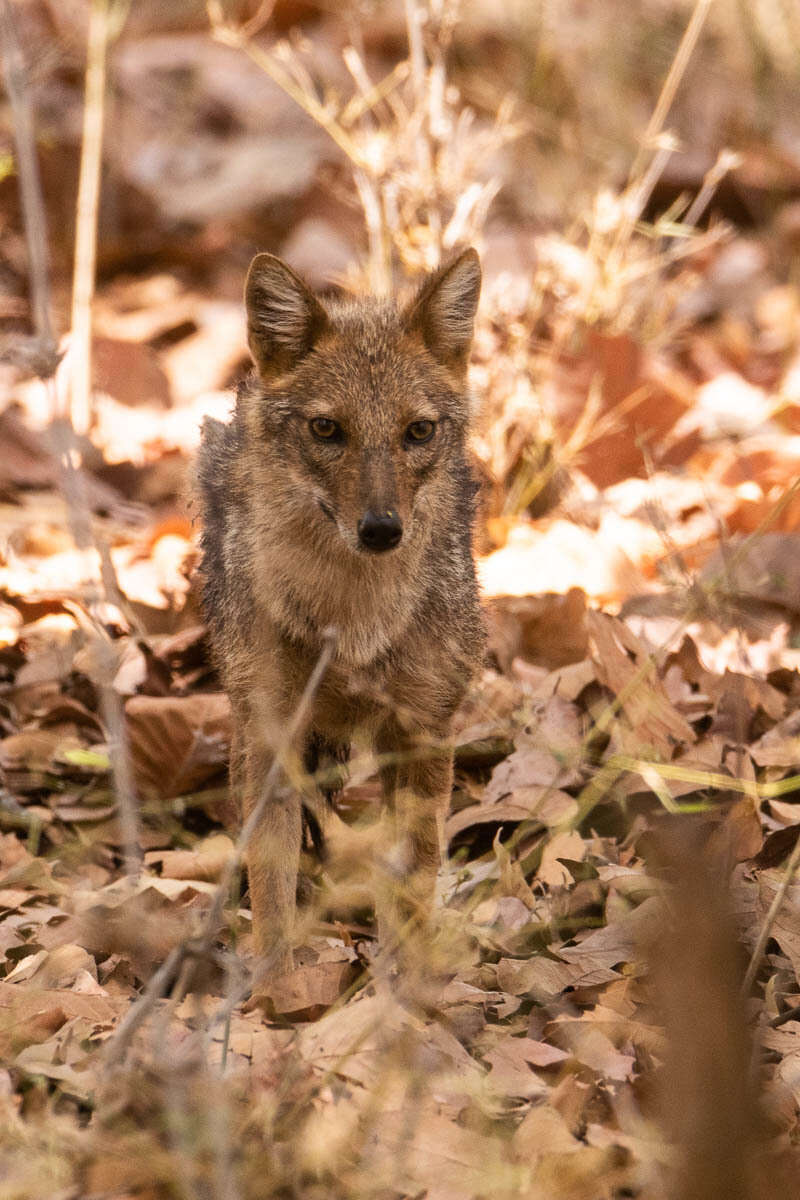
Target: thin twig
727,160
770,918
238,38
140,1010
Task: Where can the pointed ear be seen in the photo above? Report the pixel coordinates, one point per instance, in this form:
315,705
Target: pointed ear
284,317
444,309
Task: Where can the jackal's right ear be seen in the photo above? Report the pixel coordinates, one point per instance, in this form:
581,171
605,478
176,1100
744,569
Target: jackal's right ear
444,309
284,317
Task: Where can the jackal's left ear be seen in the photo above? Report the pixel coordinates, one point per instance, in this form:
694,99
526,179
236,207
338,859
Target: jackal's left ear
284,317
444,309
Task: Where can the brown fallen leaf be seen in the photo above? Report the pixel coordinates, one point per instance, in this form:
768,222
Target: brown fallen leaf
349,1039
643,699
569,845
544,978
443,1159
13,852
30,1014
590,1046
57,968
779,746
305,993
549,806
176,743
543,1131
36,749
17,1032
510,1074
140,671
548,630
143,927
549,755
786,924
639,404
739,833
618,942
511,1062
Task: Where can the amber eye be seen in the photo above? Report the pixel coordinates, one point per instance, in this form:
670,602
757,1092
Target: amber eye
325,429
420,431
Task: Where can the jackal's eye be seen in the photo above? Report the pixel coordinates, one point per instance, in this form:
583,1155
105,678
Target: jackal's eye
325,429
420,431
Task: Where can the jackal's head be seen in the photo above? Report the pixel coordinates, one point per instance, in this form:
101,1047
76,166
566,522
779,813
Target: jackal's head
362,404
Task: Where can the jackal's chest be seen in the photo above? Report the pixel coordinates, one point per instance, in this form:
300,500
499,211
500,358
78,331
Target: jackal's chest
370,615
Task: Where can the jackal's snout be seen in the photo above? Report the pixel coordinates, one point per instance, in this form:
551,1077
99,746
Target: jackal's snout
379,531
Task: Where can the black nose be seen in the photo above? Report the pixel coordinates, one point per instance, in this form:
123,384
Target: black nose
379,531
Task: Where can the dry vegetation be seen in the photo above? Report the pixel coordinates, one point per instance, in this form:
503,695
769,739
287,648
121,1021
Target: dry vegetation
607,1005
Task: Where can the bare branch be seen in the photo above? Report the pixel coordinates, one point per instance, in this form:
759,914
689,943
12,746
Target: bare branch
41,353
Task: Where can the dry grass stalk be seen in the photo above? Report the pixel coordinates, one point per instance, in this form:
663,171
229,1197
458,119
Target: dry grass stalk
88,204
417,156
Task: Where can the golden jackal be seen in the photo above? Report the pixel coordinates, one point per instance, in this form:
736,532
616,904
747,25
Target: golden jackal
340,496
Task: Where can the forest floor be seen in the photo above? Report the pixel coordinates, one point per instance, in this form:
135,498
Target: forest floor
625,823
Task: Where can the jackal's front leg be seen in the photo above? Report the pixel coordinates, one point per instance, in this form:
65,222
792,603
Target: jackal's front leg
417,788
273,856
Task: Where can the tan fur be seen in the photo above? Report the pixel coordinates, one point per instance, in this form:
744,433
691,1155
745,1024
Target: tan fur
283,561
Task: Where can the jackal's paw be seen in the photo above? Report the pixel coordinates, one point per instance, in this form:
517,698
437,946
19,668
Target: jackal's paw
269,972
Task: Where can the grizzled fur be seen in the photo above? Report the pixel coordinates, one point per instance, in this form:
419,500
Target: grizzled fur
284,559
